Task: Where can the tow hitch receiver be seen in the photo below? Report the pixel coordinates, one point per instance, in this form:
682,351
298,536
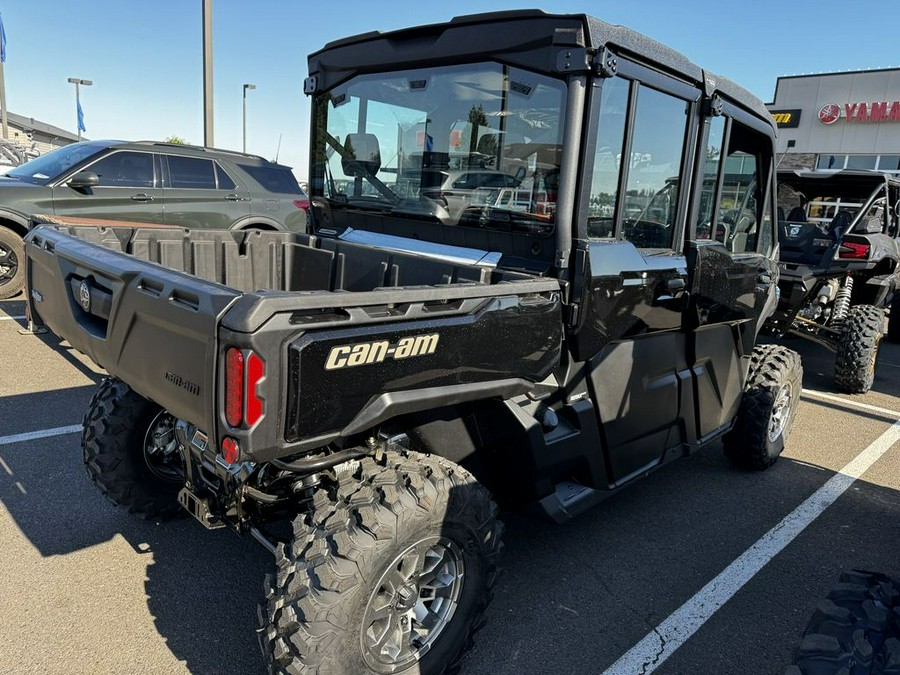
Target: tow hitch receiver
199,508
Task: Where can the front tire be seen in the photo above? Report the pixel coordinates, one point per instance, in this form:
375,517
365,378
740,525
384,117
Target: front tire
131,453
857,350
389,571
767,408
12,263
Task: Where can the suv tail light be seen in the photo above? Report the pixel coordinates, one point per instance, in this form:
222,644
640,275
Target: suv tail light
850,249
302,204
242,377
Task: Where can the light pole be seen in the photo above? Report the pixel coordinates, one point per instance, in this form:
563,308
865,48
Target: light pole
78,82
246,87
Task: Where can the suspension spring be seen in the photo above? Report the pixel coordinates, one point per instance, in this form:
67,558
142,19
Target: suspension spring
842,303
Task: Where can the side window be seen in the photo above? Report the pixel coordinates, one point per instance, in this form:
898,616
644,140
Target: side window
224,180
652,165
610,140
191,172
742,211
711,163
654,170
125,169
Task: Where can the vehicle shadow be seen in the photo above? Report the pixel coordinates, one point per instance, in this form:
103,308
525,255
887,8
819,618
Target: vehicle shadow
202,587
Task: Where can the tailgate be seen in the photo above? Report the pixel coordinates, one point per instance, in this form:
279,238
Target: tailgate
150,326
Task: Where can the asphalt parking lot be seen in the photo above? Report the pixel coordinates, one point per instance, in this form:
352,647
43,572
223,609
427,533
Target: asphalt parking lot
718,569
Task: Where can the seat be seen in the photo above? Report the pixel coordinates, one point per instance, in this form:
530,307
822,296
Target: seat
797,215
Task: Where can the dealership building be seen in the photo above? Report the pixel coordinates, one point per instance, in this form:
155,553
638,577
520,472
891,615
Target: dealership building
834,121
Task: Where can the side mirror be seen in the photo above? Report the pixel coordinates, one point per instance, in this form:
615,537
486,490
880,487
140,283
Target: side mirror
84,179
361,156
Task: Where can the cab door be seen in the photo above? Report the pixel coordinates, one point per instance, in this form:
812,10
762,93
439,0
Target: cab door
129,190
631,332
730,245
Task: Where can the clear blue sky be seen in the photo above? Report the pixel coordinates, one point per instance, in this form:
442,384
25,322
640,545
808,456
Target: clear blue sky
145,56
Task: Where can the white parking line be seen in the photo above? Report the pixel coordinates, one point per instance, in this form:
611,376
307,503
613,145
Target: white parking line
12,318
43,433
856,404
658,645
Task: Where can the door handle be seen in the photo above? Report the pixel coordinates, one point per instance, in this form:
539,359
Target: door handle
142,197
764,279
234,198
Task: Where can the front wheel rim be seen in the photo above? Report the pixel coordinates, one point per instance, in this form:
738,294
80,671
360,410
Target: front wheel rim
781,409
413,602
9,264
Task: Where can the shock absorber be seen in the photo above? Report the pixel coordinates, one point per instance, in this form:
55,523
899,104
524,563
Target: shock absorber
842,303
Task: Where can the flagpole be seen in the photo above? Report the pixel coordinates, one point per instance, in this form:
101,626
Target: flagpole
3,104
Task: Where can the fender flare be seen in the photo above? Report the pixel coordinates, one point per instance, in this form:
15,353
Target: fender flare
247,223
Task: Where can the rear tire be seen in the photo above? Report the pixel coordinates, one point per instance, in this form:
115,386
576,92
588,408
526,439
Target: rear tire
389,571
130,452
767,408
857,350
855,630
12,263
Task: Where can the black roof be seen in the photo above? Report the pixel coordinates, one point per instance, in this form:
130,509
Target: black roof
522,30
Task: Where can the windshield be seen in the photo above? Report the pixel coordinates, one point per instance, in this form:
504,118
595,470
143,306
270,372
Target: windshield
41,170
475,145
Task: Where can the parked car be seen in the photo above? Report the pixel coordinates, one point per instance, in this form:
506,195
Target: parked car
144,182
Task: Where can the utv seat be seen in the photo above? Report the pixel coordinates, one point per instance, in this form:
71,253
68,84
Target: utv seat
797,215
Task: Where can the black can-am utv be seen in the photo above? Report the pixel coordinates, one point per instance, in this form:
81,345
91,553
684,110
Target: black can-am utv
839,266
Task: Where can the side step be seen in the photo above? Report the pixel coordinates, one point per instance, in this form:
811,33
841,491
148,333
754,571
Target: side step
569,499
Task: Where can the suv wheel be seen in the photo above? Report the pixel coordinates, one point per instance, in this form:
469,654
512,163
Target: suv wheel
12,263
767,407
857,349
389,572
131,453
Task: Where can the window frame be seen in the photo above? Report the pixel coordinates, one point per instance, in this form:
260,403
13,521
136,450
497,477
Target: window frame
637,76
157,180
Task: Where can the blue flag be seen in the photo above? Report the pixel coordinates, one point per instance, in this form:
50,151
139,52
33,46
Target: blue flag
2,41
81,126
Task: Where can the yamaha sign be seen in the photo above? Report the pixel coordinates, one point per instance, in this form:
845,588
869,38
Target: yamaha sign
860,112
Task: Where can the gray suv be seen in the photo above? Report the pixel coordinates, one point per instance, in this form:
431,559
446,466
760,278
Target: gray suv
144,182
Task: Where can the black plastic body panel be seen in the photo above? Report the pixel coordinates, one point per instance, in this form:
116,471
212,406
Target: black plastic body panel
165,331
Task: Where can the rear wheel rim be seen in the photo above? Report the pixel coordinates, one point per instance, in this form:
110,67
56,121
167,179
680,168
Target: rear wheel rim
781,410
412,604
9,264
160,449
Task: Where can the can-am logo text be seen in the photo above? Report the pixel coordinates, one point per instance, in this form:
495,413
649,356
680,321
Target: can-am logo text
363,353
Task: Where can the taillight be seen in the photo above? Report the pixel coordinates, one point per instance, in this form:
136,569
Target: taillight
302,204
230,450
850,249
234,387
242,377
256,371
